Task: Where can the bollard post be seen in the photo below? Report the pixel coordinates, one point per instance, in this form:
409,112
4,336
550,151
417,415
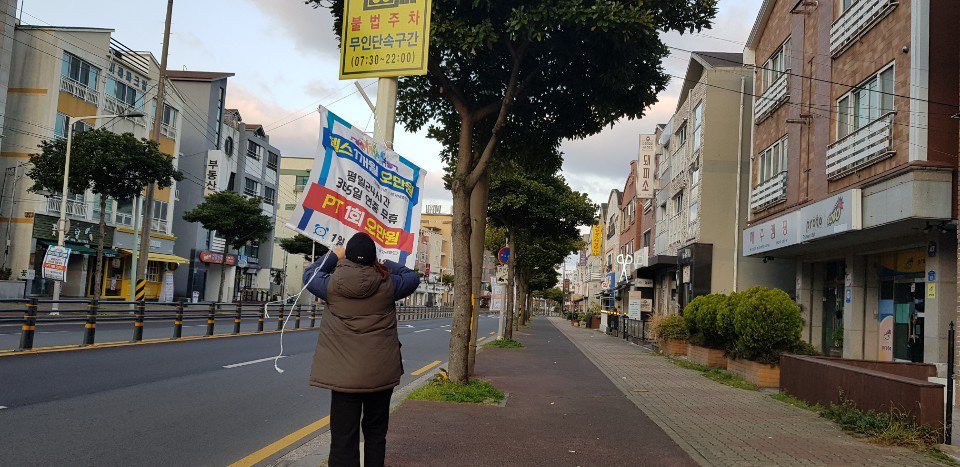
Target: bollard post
296,324
90,328
178,321
313,315
951,354
29,328
280,318
139,310
260,311
211,318
236,318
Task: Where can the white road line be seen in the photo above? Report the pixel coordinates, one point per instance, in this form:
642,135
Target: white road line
421,330
251,362
448,330
3,407
445,326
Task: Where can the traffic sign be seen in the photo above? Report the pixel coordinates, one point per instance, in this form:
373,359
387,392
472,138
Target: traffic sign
504,255
384,38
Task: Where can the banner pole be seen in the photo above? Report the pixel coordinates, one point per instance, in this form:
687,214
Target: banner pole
385,113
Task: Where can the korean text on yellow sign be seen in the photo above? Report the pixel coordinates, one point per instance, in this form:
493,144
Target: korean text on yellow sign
596,240
384,38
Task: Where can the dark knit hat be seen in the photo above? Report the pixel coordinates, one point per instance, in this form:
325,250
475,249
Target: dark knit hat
361,249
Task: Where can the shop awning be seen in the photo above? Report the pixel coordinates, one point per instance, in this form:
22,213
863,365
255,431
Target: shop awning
162,257
76,249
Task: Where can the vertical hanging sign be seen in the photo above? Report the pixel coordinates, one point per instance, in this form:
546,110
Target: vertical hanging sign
384,38
645,165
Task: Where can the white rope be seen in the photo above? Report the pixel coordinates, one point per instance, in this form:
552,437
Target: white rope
266,314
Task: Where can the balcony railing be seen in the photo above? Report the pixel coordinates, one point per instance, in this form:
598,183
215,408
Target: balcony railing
79,90
168,131
74,208
112,105
862,148
125,219
678,229
159,226
770,192
773,97
854,23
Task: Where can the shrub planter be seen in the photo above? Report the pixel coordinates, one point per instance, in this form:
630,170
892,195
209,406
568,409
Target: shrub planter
595,322
712,358
673,347
761,374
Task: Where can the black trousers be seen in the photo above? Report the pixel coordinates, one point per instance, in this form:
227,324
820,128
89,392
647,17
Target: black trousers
348,413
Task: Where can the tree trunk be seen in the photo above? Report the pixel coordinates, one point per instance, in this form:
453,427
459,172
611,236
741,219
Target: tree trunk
98,275
223,269
462,271
511,280
478,217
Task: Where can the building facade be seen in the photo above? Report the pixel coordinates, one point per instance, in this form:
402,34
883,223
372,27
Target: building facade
852,172
58,73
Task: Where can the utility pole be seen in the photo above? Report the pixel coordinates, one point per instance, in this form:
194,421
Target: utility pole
155,136
385,114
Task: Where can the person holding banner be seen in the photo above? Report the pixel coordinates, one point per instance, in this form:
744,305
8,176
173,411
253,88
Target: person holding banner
358,351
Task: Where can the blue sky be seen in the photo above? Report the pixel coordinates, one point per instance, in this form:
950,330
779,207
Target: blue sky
284,55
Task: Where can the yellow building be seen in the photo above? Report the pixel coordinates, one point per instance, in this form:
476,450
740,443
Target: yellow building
61,72
294,176
442,224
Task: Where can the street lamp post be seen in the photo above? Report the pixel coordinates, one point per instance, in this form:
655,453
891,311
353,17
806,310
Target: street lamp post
62,223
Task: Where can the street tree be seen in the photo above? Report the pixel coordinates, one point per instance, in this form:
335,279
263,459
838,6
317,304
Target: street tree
571,67
111,165
238,219
301,244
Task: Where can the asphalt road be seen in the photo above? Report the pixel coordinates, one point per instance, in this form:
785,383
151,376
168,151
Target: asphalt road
174,403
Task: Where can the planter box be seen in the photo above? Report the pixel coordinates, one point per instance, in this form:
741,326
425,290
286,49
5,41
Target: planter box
763,375
712,358
595,324
673,347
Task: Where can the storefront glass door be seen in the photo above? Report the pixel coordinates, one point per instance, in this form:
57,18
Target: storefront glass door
907,294
833,293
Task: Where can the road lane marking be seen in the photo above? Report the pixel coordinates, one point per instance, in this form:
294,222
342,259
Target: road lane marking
421,330
445,326
481,339
492,333
425,368
3,407
251,362
448,330
281,443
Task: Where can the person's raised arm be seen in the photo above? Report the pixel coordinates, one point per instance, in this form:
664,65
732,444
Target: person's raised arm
318,286
405,280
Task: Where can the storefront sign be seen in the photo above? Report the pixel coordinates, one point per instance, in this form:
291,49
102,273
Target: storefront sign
610,282
643,283
634,304
641,258
771,234
384,38
646,305
211,178
79,232
358,184
931,290
217,258
645,166
834,215
885,331
596,240
55,263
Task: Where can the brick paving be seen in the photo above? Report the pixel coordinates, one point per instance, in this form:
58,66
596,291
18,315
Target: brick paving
721,425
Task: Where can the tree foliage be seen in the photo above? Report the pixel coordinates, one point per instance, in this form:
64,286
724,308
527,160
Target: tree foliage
301,244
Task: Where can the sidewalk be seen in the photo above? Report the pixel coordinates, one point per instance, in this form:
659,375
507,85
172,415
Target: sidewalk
566,406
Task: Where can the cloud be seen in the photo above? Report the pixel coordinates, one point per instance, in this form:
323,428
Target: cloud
294,133
310,28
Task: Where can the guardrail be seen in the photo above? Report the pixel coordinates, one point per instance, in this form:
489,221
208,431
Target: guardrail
38,313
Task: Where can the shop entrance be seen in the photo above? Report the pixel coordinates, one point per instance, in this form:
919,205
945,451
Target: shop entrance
833,299
902,301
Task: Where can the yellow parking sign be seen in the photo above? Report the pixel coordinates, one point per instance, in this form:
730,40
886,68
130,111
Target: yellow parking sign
383,38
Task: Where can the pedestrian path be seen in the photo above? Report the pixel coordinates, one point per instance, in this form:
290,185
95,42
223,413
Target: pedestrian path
721,425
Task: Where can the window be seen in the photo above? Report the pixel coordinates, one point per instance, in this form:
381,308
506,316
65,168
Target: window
772,161
646,239
698,126
230,181
695,174
125,212
775,66
845,4
170,116
153,271
269,195
251,187
60,126
251,250
159,210
228,146
108,212
273,160
678,204
301,182
694,212
79,70
254,150
865,103
123,93
219,127
681,135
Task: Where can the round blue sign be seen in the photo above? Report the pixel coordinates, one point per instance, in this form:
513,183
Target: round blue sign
504,255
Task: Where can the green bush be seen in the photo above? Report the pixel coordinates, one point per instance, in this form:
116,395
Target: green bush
767,323
671,327
701,317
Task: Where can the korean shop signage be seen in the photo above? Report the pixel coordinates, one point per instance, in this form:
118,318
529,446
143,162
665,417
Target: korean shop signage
79,232
384,38
645,166
211,175
772,234
836,214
